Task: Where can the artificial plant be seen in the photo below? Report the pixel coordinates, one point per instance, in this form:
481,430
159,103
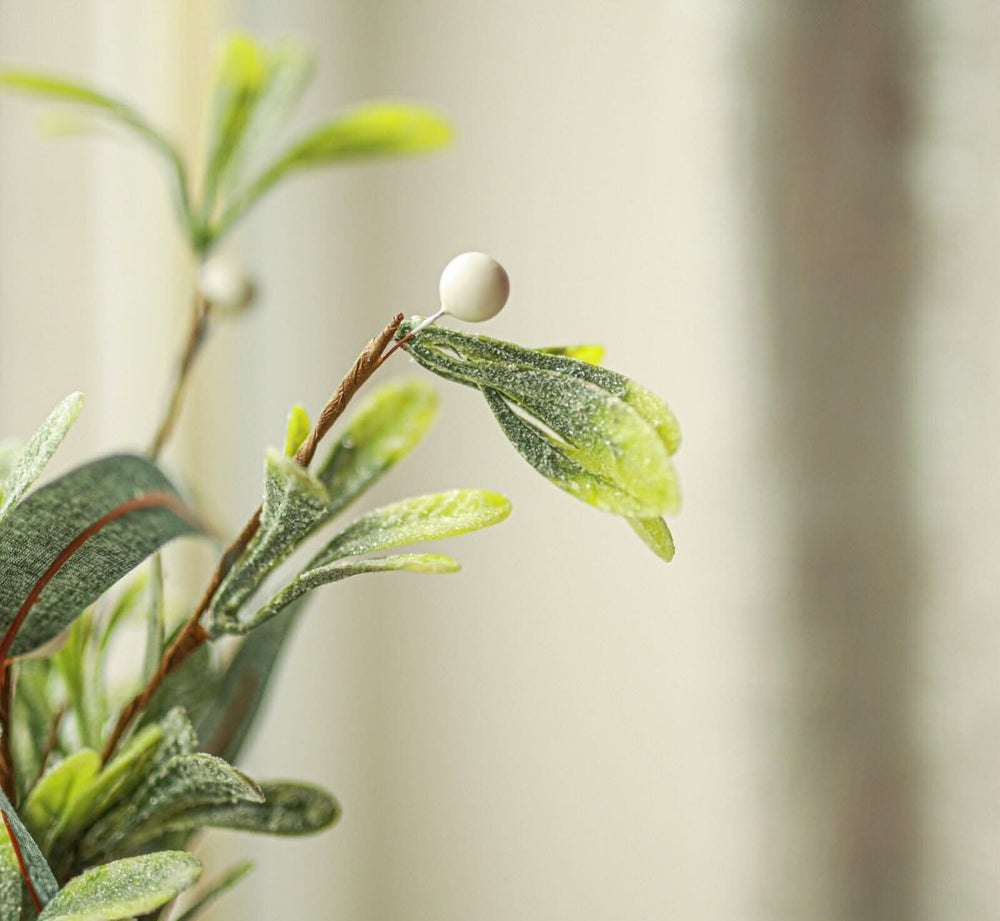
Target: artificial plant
102,789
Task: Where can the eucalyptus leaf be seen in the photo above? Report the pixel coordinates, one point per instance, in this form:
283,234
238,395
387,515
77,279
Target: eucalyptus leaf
75,537
124,888
39,872
288,809
214,889
53,796
385,429
334,572
39,450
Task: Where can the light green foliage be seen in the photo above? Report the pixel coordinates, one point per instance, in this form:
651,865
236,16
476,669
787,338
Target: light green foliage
592,432
39,450
55,793
296,429
41,527
656,535
214,889
38,869
385,429
124,888
287,809
592,354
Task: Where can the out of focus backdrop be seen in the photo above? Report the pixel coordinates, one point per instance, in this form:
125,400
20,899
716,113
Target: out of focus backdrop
783,217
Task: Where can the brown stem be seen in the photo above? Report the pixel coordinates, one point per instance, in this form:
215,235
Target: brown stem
192,634
201,309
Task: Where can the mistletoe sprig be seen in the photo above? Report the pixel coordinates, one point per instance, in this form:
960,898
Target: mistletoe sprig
103,786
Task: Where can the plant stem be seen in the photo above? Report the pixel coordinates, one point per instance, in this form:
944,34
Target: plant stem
6,755
192,634
201,309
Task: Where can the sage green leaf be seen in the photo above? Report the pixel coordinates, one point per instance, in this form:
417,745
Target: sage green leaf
61,90
656,535
334,572
42,880
420,518
10,449
574,401
294,501
593,354
296,429
225,725
178,737
113,784
288,809
53,796
370,129
124,888
69,541
214,889
11,885
184,782
39,450
385,429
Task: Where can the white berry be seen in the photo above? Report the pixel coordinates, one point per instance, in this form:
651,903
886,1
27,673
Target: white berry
223,282
474,287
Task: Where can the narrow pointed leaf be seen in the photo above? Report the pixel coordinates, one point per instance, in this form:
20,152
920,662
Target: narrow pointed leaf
288,809
420,518
124,888
42,881
294,501
214,889
296,429
382,432
54,794
39,450
656,535
335,572
68,542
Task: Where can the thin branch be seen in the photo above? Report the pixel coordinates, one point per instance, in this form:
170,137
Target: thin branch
192,634
200,312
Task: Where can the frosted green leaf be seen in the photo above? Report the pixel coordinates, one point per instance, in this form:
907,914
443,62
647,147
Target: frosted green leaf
335,572
42,880
124,888
11,885
77,536
294,501
382,432
214,889
117,781
656,535
296,429
592,354
420,518
185,782
39,450
177,737
53,795
370,129
288,809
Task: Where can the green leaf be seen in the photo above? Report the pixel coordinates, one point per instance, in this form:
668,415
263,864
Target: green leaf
334,572
185,782
296,429
124,888
11,885
294,501
420,518
656,535
592,354
114,783
39,450
53,796
592,431
370,129
288,809
42,880
382,432
214,889
59,89
68,542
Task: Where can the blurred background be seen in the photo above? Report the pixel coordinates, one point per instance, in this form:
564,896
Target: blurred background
784,218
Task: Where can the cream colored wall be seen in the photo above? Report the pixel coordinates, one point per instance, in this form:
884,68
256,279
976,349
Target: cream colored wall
566,729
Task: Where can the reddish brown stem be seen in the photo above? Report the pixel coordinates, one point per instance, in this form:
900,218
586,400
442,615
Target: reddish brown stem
21,865
192,634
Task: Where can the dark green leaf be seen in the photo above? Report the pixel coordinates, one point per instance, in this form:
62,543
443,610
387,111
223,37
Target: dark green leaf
124,888
73,539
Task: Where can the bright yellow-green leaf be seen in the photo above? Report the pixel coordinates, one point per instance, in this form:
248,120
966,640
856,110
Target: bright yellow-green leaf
296,429
656,535
592,354
53,795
